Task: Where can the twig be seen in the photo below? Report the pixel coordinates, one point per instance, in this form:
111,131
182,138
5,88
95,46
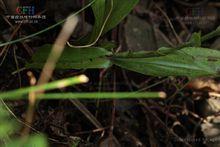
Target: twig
161,122
180,22
87,113
32,100
164,37
11,37
91,131
57,49
2,5
113,113
26,46
17,65
169,22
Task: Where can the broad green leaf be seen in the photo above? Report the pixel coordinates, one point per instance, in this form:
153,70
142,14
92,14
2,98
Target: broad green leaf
73,58
190,61
86,64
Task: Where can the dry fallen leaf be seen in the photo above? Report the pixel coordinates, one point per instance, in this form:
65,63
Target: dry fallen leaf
206,84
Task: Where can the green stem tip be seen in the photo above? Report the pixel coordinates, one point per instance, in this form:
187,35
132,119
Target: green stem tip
49,86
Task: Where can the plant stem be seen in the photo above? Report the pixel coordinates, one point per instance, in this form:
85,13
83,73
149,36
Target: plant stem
103,95
10,95
211,34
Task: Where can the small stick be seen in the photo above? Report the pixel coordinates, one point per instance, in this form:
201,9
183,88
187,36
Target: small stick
169,22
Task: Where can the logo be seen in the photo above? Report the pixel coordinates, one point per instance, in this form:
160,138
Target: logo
194,12
25,10
26,14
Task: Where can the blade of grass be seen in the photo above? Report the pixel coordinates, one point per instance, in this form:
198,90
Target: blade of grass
103,95
46,29
53,85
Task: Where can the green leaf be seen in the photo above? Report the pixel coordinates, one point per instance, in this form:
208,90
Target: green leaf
108,45
190,61
121,8
107,16
76,142
73,58
99,11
